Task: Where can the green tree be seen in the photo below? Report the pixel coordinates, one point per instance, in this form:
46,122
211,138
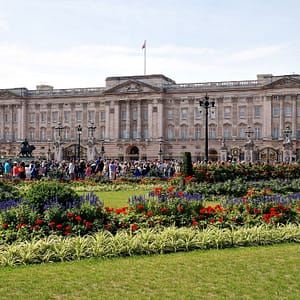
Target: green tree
187,166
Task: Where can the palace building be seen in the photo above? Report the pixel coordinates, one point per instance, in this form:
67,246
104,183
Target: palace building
153,117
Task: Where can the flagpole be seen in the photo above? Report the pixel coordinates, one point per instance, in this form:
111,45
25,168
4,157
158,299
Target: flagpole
144,48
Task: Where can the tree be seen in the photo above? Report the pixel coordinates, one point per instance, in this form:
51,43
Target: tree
187,166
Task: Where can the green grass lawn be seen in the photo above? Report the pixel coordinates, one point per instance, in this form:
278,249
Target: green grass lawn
270,272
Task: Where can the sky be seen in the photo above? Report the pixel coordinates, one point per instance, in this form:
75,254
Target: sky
79,43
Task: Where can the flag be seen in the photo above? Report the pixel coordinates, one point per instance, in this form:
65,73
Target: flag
144,45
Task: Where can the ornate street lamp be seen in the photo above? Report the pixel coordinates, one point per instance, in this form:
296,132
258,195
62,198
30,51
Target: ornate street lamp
59,129
79,131
91,130
206,103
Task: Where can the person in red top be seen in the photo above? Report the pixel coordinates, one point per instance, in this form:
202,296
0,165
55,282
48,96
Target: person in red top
15,170
22,173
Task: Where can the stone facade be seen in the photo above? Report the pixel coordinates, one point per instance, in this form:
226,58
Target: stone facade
152,117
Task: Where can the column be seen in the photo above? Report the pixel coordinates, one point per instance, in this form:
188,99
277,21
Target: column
267,111
107,118
128,135
150,120
117,121
139,120
160,118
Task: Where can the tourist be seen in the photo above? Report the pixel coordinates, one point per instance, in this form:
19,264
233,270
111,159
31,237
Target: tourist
8,168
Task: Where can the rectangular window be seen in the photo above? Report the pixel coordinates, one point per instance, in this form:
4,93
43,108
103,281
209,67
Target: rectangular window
242,133
257,112
31,135
170,133
54,116
288,111
67,116
15,118
197,113
78,116
276,133
145,115
123,115
91,116
298,134
134,114
102,116
227,113
227,132
32,117
43,117
170,114
43,135
257,133
197,133
183,114
212,133
145,133
15,137
242,112
7,119
276,111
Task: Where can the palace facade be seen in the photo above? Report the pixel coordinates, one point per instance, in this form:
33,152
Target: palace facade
152,117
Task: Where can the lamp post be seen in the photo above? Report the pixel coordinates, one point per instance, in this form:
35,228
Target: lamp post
206,103
102,149
79,131
49,149
91,130
59,128
287,133
160,152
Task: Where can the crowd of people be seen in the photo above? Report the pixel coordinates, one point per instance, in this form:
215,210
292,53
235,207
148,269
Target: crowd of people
108,168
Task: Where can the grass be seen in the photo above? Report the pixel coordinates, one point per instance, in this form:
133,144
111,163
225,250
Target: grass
119,199
270,272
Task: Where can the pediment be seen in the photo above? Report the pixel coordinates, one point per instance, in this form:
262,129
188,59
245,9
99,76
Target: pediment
7,94
284,82
132,86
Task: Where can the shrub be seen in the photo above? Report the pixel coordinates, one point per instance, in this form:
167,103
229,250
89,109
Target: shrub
41,193
187,166
8,191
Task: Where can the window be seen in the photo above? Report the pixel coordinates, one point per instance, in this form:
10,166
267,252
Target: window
32,117
43,135
145,132
54,116
15,118
67,134
227,113
242,112
123,115
145,115
15,135
170,132
102,116
298,111
7,119
197,132
67,116
242,133
78,116
43,117
276,133
197,113
288,111
102,132
134,114
134,132
183,130
183,114
170,114
31,135
212,133
7,136
298,134
257,133
123,132
257,112
227,132
91,116
276,111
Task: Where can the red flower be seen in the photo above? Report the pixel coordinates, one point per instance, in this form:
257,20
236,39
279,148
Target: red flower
78,218
149,213
4,225
163,210
68,228
180,208
35,227
70,215
212,221
39,221
134,227
109,209
194,223
52,224
59,226
140,207
108,226
88,224
21,225
157,191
